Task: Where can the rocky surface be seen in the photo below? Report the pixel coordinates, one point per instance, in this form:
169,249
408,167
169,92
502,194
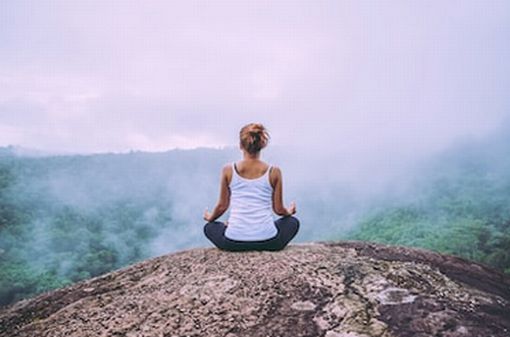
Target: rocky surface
331,289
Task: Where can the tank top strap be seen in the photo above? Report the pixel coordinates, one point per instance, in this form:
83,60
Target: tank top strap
234,171
269,175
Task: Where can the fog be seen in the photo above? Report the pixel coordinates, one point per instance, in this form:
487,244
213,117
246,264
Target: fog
166,193
120,115
73,217
343,87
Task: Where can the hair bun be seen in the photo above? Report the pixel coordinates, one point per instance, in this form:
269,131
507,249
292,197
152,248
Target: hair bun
254,137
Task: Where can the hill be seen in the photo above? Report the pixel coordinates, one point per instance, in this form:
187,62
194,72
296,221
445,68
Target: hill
332,289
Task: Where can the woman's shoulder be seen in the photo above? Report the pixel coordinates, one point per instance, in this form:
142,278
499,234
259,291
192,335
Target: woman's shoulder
274,168
227,171
271,168
274,174
227,168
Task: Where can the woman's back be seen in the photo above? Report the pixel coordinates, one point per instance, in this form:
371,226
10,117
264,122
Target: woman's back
251,217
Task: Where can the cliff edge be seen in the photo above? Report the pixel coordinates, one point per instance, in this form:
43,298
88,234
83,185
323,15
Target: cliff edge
331,289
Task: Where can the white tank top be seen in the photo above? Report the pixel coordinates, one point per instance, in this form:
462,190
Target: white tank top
251,215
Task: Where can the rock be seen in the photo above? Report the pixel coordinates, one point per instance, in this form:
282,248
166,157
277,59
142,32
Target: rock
331,289
303,306
395,296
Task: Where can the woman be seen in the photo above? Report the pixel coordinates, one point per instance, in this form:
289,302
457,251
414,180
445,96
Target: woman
253,189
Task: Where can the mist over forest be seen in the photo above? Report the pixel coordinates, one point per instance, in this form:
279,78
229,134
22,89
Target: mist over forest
69,218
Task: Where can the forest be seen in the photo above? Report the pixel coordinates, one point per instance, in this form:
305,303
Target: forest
460,205
68,218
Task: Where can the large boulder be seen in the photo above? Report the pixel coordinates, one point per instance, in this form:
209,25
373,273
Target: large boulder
332,289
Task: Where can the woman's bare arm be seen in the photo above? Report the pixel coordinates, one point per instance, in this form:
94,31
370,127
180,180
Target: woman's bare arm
278,207
224,198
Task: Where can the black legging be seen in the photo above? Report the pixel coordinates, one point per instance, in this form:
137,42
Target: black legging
287,226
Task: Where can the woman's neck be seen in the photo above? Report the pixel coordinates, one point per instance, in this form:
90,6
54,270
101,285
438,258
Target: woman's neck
249,156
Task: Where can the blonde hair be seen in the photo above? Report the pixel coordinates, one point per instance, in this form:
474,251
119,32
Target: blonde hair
253,137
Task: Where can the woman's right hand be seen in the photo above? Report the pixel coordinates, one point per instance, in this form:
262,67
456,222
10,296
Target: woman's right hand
207,215
292,209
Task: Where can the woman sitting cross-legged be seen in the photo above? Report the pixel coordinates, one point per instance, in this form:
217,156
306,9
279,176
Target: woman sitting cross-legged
253,189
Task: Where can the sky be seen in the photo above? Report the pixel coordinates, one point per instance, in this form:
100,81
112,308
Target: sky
361,78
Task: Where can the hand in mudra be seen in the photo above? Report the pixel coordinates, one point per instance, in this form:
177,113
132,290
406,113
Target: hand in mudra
207,215
292,208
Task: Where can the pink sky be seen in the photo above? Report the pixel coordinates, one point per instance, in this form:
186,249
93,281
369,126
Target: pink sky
324,76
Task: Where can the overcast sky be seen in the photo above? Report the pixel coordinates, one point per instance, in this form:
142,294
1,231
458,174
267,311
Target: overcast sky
358,76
